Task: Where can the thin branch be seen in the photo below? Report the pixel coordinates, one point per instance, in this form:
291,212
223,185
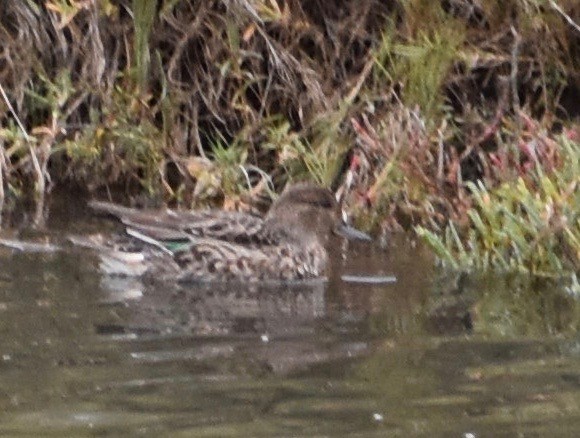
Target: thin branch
563,14
40,182
514,72
11,108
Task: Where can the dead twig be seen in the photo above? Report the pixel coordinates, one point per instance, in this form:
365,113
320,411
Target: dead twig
563,14
38,169
514,73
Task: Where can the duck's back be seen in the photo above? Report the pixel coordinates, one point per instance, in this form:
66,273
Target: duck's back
174,225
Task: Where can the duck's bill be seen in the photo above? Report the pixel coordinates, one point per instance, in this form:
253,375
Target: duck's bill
352,233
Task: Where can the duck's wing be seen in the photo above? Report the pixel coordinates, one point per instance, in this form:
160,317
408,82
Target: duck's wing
167,225
229,226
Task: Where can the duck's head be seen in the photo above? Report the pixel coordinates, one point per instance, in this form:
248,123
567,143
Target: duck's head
306,212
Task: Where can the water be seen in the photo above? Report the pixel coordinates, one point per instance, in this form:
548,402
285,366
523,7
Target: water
433,354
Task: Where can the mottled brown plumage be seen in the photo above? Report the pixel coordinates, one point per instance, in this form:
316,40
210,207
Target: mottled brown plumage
289,243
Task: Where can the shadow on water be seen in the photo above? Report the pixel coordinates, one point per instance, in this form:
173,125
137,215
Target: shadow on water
433,354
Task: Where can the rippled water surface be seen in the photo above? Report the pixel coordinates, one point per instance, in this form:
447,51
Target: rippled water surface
430,355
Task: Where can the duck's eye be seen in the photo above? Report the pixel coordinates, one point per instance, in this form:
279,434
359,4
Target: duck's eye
319,200
310,196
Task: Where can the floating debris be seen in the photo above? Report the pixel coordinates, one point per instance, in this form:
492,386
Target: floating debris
369,279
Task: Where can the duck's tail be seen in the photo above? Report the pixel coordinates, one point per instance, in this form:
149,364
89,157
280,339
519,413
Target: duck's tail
116,210
113,261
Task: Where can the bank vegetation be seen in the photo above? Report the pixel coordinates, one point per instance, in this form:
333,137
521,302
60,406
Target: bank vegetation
454,118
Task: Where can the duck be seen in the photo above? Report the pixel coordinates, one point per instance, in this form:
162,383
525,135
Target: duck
289,243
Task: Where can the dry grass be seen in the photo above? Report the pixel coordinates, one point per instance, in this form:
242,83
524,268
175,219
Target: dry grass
395,104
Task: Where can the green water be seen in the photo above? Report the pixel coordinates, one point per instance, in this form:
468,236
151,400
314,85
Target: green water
432,355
